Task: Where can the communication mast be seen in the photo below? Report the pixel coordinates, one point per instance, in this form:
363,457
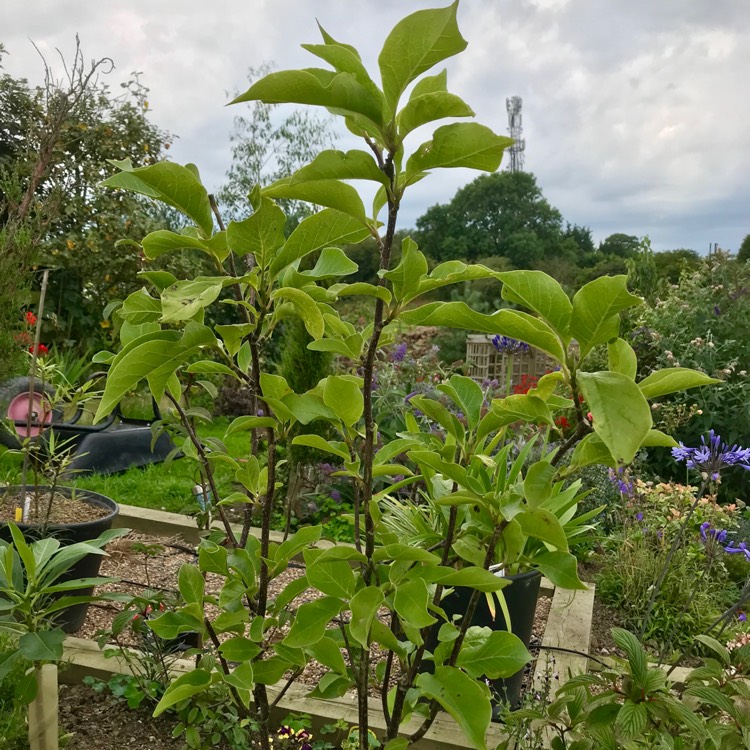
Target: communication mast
515,129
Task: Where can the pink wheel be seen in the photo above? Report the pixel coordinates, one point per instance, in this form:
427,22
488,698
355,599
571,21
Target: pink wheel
41,413
14,407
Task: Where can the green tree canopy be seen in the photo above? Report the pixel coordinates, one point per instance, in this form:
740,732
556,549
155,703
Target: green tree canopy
502,214
744,251
620,245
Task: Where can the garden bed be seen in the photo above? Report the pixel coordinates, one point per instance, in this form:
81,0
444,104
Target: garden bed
563,622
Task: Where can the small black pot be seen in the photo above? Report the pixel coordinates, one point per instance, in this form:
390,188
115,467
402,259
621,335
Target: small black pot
521,597
71,619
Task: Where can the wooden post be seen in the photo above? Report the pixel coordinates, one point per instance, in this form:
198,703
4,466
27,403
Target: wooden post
43,729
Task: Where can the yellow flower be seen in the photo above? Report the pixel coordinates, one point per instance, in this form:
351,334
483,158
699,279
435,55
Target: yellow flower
104,324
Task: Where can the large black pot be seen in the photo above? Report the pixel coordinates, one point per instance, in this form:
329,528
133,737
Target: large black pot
71,619
521,597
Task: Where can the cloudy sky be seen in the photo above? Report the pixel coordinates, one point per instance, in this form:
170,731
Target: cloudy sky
635,111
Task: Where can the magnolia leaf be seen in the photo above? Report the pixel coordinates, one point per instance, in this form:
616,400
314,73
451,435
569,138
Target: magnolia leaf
331,193
621,358
538,292
673,379
260,235
338,165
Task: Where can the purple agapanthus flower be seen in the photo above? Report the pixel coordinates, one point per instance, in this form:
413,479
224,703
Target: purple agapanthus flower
720,535
508,345
712,456
740,549
335,496
620,479
398,354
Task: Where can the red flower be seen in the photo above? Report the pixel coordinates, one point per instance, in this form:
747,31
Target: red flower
526,384
590,417
41,350
562,423
30,318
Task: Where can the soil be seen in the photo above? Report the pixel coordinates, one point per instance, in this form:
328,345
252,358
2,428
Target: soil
64,509
94,721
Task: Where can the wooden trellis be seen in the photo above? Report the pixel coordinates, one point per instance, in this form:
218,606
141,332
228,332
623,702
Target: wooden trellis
487,363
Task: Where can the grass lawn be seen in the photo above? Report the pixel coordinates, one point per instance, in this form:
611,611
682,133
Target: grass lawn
160,486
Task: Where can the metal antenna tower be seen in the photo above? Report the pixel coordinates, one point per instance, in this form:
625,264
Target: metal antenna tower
515,129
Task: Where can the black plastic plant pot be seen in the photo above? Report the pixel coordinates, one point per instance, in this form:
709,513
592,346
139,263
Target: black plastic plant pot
71,619
521,597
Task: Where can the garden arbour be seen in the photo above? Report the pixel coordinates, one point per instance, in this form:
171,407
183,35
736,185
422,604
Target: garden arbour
519,515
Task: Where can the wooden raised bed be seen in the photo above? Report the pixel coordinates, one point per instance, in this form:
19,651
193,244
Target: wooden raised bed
568,627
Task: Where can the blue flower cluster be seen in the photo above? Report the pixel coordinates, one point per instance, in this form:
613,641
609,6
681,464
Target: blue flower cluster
712,456
720,536
508,345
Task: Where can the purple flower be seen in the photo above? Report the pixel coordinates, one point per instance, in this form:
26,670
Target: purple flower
708,533
619,478
508,345
742,617
713,456
326,469
717,310
741,548
398,354
336,496
639,517
410,396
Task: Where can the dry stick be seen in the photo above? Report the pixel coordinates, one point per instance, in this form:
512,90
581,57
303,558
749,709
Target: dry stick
204,460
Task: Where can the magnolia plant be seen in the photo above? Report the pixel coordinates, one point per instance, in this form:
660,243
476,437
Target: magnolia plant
380,591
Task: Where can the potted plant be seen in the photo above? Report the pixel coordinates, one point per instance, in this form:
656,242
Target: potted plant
35,587
382,594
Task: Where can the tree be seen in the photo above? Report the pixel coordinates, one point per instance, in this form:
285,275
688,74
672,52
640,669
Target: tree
56,141
502,214
267,148
744,251
671,263
620,245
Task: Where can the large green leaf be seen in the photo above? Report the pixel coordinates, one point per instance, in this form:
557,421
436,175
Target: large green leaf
415,44
450,272
154,356
591,450
462,144
671,380
539,523
306,307
327,652
183,300
521,407
621,358
406,276
320,443
139,308
327,227
511,323
170,183
467,395
332,261
474,577
311,620
163,241
341,91
185,686
622,417
465,699
596,310
340,165
430,101
45,645
330,193
364,606
538,292
191,584
343,395
332,577
260,235
561,568
492,653
410,602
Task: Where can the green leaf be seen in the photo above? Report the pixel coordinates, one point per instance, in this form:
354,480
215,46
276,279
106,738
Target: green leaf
350,347
311,620
185,299
472,577
410,602
327,652
242,424
140,307
492,653
233,336
417,43
44,645
463,144
341,91
406,276
539,523
321,444
591,450
621,358
466,394
465,699
450,272
239,649
538,292
327,227
673,379
332,577
659,439
269,671
511,323
343,395
537,486
622,417
331,193
337,165
428,107
163,241
596,310
635,652
363,289
364,606
561,568
191,584
209,367
521,407
332,262
185,686
171,183
631,719
260,235
306,308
